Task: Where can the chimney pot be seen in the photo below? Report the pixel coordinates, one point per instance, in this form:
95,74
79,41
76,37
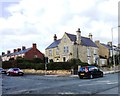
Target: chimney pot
34,45
97,42
23,48
15,50
78,30
8,52
19,49
90,36
3,53
109,43
55,37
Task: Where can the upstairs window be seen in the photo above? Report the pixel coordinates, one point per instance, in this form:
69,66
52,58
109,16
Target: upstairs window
95,51
64,40
66,49
50,52
88,52
57,51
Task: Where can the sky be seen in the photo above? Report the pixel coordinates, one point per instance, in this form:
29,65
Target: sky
23,22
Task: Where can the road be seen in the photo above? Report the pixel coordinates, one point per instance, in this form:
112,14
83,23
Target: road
35,84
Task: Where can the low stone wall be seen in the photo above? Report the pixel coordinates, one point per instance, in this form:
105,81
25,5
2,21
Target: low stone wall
49,72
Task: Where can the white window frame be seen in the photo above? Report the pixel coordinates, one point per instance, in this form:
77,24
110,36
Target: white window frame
65,49
57,51
50,52
88,52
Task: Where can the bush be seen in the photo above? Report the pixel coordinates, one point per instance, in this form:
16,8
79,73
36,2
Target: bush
59,66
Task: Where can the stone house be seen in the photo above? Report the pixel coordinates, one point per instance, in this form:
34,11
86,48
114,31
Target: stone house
73,46
27,53
105,52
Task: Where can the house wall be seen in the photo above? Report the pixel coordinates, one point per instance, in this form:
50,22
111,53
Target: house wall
65,41
84,56
75,51
33,53
103,51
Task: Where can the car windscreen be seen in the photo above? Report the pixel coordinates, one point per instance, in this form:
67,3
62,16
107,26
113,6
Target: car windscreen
16,69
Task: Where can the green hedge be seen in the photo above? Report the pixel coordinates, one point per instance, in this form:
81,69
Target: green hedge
38,65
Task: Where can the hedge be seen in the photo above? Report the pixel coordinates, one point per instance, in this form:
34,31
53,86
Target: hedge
38,65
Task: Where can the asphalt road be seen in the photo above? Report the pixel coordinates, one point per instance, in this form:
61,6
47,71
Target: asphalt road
34,84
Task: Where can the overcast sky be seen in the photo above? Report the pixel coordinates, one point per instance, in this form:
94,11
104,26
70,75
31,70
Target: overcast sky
23,22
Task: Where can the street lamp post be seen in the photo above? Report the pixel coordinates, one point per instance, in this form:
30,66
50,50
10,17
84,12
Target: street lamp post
113,58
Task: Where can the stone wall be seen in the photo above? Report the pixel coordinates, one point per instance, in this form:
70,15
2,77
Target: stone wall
49,72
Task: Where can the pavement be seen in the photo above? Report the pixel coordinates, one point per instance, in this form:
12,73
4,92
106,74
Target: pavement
104,72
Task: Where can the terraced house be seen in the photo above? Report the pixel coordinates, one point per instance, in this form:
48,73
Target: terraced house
27,53
73,46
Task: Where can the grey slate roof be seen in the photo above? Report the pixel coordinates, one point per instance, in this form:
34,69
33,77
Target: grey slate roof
84,41
17,53
54,44
107,46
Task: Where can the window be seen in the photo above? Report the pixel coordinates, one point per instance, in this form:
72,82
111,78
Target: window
50,52
66,49
95,51
64,40
35,56
88,52
88,60
102,61
57,51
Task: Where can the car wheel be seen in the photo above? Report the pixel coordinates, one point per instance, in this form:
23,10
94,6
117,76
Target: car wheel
91,76
101,75
80,77
20,73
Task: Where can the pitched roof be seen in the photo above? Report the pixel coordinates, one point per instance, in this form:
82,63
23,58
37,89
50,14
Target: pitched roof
84,40
54,44
107,46
17,53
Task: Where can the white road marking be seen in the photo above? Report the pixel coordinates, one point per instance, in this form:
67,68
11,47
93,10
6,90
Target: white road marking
99,82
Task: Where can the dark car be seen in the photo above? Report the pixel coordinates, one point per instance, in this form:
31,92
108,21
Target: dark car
2,71
89,72
14,71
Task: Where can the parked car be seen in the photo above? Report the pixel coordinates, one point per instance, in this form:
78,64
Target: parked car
2,71
89,72
14,71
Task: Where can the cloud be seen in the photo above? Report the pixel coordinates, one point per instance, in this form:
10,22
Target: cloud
38,20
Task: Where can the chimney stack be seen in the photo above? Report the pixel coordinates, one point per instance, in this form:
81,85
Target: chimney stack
15,50
97,42
23,48
78,36
109,43
90,36
8,52
34,46
55,37
3,53
19,49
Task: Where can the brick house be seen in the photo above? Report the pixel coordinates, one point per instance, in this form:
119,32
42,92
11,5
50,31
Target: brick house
27,53
73,46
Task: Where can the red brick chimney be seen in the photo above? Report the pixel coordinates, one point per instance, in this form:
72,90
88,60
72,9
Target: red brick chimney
34,46
19,49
